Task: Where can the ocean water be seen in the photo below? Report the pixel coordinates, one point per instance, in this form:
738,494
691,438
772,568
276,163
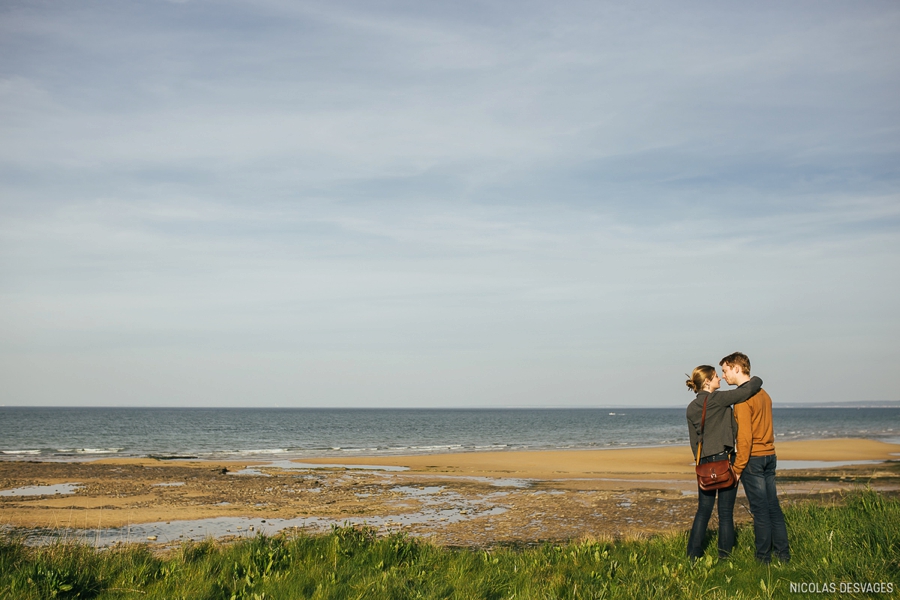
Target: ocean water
49,433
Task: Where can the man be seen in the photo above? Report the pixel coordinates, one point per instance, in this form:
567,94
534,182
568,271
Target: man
755,462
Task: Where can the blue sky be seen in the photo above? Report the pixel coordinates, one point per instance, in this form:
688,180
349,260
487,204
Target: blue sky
492,204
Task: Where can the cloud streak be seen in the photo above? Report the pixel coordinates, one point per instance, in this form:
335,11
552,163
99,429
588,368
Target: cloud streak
432,205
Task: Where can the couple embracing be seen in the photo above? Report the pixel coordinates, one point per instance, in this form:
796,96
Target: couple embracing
714,427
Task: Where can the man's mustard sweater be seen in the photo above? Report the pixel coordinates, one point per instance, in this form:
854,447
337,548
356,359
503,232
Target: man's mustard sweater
755,435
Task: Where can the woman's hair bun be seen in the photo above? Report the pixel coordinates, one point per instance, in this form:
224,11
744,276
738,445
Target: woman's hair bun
690,384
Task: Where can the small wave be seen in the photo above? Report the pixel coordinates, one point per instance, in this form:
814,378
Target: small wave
20,451
98,450
264,451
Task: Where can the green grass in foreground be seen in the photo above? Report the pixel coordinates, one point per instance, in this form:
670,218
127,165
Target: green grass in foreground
857,541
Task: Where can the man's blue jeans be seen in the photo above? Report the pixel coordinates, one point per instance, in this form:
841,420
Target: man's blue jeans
768,520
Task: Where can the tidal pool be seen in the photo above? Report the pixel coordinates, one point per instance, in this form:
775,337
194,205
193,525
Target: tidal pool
42,490
440,507
822,464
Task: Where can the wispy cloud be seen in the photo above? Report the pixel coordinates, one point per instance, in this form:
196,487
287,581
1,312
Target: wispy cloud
523,197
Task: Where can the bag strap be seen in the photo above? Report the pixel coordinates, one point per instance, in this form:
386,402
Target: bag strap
702,427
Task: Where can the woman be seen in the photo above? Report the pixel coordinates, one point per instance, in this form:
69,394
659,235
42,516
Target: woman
718,443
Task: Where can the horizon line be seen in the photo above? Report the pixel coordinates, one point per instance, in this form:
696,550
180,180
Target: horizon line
856,404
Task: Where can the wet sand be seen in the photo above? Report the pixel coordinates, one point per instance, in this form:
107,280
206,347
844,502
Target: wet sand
669,462
454,499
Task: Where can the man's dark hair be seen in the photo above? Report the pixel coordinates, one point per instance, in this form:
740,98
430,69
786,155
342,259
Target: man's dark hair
737,359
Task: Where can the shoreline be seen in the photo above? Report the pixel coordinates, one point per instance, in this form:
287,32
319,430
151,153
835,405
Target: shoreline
463,498
365,456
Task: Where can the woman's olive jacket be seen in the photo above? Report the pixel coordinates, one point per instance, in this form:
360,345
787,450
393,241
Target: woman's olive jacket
718,435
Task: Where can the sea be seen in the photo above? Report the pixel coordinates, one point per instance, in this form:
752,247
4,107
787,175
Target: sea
69,434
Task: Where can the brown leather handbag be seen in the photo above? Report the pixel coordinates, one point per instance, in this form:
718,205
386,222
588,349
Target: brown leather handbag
716,474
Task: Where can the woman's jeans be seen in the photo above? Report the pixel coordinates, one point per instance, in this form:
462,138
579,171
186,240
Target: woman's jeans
768,520
706,500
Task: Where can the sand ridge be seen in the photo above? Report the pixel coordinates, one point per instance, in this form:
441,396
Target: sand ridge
672,462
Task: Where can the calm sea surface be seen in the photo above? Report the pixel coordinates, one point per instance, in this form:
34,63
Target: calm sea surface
70,433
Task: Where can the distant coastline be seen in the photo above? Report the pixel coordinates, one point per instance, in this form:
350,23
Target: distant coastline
839,404
861,404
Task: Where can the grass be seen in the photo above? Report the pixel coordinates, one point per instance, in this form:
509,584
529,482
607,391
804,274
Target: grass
854,541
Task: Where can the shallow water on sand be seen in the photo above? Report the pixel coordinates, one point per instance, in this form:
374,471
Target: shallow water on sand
439,507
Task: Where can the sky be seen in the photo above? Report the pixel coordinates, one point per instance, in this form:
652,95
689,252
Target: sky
446,204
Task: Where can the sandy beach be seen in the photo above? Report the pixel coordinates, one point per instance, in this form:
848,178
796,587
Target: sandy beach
481,498
671,462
